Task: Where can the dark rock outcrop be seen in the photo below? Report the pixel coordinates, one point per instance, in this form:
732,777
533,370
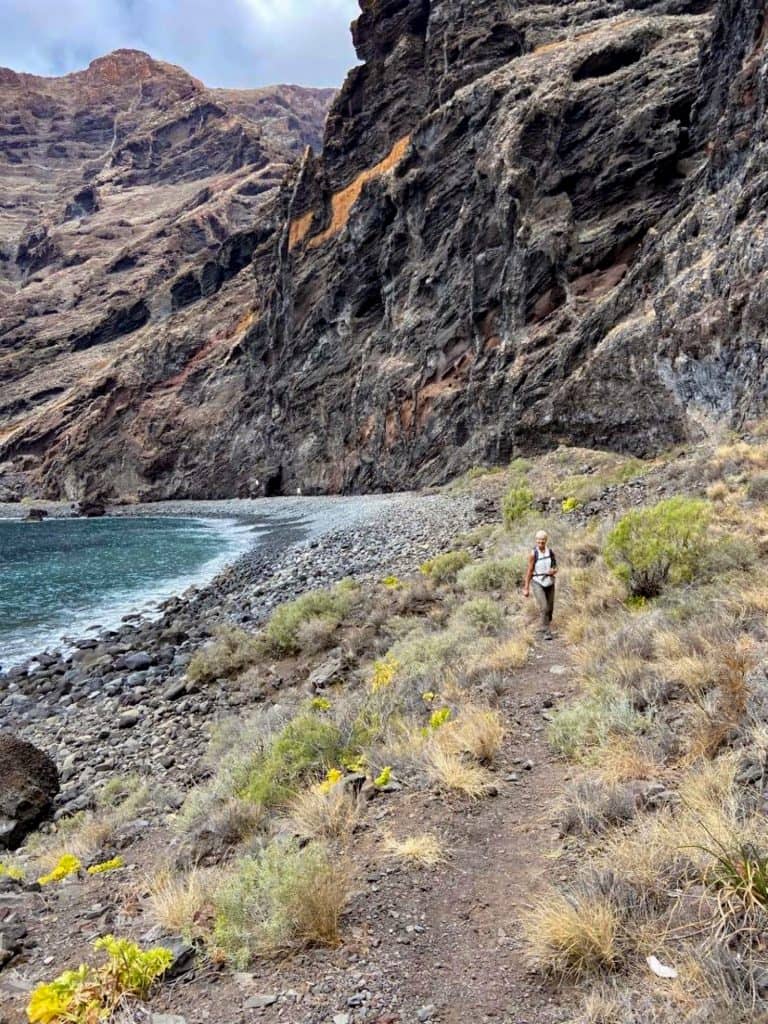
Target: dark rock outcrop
563,243
29,783
530,223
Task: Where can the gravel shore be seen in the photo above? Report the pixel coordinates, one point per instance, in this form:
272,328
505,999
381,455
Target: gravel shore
120,701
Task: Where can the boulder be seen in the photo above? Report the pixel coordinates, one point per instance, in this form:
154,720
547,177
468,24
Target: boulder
90,508
29,783
36,515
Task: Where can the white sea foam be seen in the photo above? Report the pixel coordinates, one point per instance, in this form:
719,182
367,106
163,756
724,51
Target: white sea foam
107,611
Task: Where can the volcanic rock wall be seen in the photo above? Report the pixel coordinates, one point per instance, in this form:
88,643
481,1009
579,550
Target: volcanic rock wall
530,224
548,228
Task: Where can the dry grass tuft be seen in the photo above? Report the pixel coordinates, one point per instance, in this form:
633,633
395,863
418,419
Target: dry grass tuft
315,814
182,903
626,758
451,771
233,651
424,850
720,719
478,732
505,657
588,596
591,806
572,936
285,897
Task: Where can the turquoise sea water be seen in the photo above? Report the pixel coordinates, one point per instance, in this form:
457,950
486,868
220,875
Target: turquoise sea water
60,577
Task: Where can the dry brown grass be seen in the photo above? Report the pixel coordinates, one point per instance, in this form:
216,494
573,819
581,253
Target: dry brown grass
233,651
476,731
753,598
718,491
740,455
424,850
659,846
572,936
451,771
591,595
625,758
721,717
182,903
504,657
315,814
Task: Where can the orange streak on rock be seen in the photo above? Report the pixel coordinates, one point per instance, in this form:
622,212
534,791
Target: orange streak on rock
343,201
299,229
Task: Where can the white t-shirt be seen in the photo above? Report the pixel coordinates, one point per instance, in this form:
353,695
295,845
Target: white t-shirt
542,567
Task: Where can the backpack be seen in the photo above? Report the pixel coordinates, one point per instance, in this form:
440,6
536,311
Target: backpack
537,556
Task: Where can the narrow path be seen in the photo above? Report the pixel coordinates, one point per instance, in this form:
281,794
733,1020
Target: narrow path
504,852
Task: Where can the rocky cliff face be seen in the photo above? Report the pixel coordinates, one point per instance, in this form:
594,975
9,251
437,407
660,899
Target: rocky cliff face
530,223
554,234
130,192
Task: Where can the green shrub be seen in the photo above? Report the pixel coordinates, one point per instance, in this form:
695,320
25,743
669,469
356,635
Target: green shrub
232,651
516,502
283,631
309,745
570,505
445,567
592,720
492,574
284,898
91,994
482,615
665,544
425,655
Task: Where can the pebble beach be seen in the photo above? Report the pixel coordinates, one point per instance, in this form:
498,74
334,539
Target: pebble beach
118,700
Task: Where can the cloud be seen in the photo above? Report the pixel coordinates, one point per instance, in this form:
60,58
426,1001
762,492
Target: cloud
236,43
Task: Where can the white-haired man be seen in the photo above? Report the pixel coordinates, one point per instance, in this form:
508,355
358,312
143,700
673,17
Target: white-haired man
540,574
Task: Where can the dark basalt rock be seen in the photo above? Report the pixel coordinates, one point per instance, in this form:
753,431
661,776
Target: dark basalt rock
90,508
29,783
516,249
531,223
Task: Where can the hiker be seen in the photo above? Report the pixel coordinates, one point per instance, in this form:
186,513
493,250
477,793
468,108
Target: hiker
542,569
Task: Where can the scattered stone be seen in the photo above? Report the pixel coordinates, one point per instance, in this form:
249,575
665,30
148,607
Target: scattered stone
183,955
128,719
326,674
138,661
259,1001
176,689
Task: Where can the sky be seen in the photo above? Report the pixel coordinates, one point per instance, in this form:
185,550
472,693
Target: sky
229,43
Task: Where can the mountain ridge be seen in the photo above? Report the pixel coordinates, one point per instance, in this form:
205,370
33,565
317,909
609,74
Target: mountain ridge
131,191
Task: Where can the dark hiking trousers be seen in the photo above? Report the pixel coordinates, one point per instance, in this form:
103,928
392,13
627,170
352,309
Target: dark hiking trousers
545,599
